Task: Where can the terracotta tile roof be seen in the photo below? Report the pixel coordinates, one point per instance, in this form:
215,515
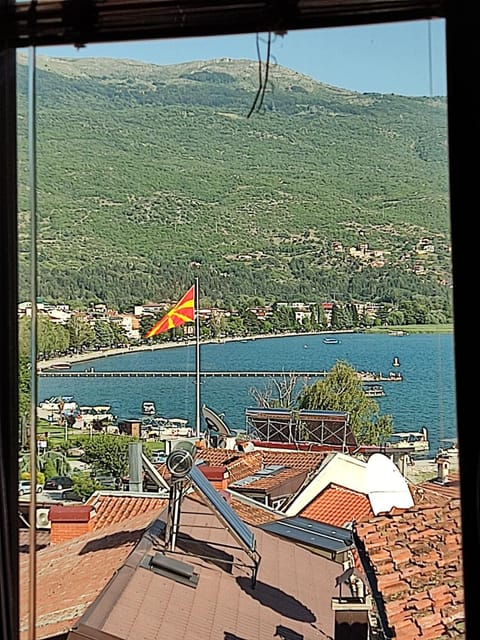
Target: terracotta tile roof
416,559
433,491
305,460
337,505
265,483
70,575
292,597
241,465
111,508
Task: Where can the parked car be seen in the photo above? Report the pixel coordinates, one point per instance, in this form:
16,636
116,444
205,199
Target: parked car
106,480
57,483
72,495
24,487
159,456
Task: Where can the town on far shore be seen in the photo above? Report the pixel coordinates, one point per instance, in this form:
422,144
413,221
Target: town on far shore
102,327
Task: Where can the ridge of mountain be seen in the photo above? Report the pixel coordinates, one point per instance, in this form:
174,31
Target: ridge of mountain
149,174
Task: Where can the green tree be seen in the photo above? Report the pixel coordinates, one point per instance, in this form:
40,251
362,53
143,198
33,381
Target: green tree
84,485
108,453
104,334
81,333
341,390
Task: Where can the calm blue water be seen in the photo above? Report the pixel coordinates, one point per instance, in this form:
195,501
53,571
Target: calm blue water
426,397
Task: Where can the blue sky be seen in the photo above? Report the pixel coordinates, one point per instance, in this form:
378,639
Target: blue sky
406,58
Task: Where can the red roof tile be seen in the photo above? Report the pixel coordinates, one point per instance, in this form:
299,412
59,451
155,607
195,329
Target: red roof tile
338,505
240,465
417,559
266,483
70,575
113,508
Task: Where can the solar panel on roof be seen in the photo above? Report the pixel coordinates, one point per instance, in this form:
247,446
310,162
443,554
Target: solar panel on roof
270,470
243,481
236,526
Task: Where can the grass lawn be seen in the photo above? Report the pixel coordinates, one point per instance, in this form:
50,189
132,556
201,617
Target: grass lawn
414,328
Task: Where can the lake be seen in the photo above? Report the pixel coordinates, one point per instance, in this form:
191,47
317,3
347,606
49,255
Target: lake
425,397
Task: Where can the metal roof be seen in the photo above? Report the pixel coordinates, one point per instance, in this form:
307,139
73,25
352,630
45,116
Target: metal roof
312,533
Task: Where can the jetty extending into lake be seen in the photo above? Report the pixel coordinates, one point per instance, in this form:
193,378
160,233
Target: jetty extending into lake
91,373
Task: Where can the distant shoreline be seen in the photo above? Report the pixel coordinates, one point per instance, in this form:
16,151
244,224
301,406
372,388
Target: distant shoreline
106,353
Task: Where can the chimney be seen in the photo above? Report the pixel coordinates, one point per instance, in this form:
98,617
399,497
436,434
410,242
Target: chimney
218,475
70,522
135,471
442,466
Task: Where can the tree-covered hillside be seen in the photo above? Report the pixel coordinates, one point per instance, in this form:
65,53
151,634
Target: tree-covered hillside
149,175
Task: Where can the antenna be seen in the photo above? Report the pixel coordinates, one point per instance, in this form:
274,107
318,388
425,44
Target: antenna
386,487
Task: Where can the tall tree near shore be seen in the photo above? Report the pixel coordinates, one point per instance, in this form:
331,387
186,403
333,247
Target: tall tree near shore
342,390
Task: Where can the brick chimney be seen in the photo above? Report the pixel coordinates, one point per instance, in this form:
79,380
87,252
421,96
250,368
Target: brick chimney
70,522
217,475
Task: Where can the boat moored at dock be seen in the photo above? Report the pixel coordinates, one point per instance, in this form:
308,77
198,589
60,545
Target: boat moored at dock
409,440
373,390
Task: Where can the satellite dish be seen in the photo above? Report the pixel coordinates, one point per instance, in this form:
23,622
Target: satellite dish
386,487
215,422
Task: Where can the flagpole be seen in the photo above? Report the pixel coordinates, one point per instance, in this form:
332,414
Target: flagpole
197,358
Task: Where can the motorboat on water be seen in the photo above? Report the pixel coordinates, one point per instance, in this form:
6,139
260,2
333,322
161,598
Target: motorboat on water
148,408
331,341
396,362
159,427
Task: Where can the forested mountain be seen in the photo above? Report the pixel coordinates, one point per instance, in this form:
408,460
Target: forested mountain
149,175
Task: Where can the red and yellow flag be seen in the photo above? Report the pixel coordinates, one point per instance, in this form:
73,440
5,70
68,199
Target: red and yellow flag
182,312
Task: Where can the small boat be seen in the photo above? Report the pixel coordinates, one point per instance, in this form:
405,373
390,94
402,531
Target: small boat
98,414
373,390
395,376
396,362
148,408
61,366
410,440
331,341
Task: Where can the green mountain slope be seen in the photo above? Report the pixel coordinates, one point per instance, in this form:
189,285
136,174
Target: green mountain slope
149,175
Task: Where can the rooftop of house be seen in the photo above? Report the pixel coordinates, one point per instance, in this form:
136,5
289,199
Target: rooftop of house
415,558
338,505
241,465
113,507
70,575
291,598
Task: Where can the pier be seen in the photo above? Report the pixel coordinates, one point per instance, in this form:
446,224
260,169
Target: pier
91,373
